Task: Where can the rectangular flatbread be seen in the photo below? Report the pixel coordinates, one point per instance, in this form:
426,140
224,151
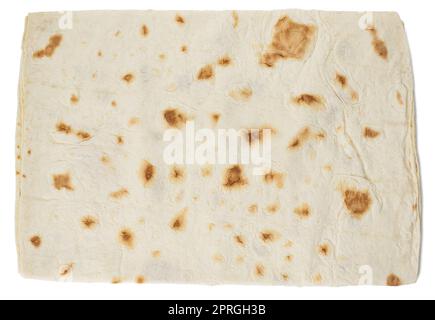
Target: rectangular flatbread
97,201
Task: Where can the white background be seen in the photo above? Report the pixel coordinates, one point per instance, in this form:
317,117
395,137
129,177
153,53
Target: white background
418,17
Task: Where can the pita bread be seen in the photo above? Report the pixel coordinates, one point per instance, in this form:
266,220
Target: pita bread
97,203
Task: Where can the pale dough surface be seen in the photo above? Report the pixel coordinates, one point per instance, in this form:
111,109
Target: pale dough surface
96,203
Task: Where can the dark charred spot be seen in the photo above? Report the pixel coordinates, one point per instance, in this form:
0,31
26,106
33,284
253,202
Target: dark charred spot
291,40
342,80
39,54
224,61
380,48
177,174
36,241
84,136
144,30
206,73
53,44
284,277
371,133
184,49
74,99
357,202
116,280
174,118
234,177
378,44
66,270
100,53
29,152
121,193
288,258
239,239
254,136
64,128
63,181
179,19
309,100
126,238
303,212
120,140
260,270
140,279
147,173
324,250
303,136
268,236
215,117
178,223
89,222
128,78
393,281
320,135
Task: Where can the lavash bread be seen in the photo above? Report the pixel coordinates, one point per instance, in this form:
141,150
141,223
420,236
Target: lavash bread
97,203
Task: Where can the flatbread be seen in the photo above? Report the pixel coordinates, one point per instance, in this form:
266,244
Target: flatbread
96,201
